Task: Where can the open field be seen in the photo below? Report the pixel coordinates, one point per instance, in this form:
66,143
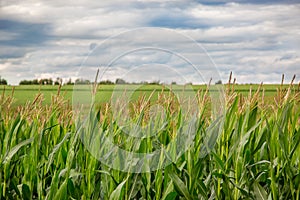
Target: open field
25,93
250,151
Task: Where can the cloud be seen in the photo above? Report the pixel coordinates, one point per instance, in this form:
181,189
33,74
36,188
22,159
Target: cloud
23,34
251,38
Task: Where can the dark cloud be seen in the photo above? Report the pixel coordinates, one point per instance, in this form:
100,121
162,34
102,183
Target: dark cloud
177,20
8,52
25,33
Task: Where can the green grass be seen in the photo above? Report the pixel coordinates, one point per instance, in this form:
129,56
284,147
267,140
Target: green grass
25,93
256,155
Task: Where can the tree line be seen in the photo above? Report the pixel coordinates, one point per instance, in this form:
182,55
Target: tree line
3,81
44,81
81,81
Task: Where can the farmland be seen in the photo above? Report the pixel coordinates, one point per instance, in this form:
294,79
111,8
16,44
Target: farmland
25,93
255,154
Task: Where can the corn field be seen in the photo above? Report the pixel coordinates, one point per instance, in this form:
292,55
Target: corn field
256,155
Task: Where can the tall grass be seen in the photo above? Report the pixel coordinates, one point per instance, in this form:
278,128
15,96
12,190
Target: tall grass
256,156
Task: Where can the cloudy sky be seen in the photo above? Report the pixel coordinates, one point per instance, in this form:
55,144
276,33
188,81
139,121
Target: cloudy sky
150,39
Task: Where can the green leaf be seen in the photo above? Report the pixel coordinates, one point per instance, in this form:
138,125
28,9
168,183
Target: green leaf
53,186
16,148
117,193
171,196
168,191
295,143
212,134
218,161
107,173
26,194
260,162
252,117
260,192
55,150
62,192
180,187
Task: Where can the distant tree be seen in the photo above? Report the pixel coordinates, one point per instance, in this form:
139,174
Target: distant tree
35,82
82,82
27,82
144,83
46,81
154,83
58,81
106,82
173,83
3,81
42,82
23,82
218,82
70,82
120,81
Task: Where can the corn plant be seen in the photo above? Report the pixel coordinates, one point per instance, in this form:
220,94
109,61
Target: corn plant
45,152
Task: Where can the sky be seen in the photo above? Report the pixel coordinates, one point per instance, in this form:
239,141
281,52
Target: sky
151,40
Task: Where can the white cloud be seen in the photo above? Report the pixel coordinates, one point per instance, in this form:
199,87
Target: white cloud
4,66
